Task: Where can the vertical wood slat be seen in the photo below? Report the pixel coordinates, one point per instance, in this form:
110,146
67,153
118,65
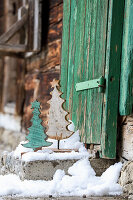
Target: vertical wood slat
83,62
65,47
126,80
98,69
1,81
78,73
20,86
71,56
112,75
34,26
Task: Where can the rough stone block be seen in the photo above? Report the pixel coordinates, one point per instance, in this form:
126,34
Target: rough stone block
43,169
126,178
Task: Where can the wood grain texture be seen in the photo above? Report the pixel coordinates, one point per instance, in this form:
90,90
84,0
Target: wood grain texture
13,71
91,47
34,25
65,47
112,75
126,80
11,48
83,43
1,82
43,67
13,29
57,118
49,57
44,89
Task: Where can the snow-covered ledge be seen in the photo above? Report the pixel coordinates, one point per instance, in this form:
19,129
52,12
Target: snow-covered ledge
45,172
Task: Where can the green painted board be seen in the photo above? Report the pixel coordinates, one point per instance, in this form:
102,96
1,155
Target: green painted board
65,46
126,80
81,61
112,75
88,53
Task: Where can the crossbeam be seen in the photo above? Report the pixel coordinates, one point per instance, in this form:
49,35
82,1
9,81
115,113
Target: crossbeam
14,29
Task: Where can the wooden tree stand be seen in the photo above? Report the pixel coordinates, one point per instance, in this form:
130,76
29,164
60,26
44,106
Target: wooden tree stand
56,150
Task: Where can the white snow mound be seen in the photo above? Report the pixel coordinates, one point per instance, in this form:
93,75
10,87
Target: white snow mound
82,180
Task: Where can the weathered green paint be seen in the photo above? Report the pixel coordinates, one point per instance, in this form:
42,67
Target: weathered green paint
112,75
65,46
87,40
86,23
126,80
95,83
37,137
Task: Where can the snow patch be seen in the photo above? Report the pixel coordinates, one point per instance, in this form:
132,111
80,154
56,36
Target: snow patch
82,180
10,122
47,153
73,142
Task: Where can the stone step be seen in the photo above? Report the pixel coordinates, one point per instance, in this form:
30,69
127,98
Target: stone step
66,198
45,169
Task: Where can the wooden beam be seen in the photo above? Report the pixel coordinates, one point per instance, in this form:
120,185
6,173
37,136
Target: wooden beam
14,29
11,54
34,26
10,48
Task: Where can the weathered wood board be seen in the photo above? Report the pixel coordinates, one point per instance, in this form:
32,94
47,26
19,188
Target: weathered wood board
57,117
91,48
126,81
83,42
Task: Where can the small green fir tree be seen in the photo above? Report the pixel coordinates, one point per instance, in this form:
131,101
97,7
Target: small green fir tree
37,137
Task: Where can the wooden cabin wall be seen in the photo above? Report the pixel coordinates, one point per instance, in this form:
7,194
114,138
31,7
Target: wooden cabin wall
11,68
1,59
43,67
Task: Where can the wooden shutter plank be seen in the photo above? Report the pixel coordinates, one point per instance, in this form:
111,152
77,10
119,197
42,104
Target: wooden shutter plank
112,75
65,47
83,120
126,84
90,66
78,64
71,57
98,70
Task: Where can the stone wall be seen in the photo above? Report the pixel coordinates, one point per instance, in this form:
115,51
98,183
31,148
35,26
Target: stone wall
126,138
126,154
126,178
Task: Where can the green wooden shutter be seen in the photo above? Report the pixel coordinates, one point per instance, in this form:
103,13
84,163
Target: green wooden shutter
91,48
126,81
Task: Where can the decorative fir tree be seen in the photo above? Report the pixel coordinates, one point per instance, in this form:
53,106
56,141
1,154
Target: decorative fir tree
37,137
57,122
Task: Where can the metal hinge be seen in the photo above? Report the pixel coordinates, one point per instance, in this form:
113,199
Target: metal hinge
95,83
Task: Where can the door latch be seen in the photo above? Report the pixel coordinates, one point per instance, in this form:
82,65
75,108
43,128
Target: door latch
91,84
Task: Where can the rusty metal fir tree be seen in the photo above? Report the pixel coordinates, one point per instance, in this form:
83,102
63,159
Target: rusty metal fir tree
37,137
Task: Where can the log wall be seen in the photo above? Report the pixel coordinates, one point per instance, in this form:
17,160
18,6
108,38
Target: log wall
1,59
45,66
11,68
